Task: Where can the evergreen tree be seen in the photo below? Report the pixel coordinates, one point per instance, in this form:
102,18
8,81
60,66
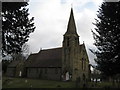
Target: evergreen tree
16,26
107,38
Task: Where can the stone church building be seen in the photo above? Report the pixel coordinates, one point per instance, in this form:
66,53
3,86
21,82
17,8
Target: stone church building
69,62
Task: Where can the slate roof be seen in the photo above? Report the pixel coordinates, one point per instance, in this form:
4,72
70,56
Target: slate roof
46,58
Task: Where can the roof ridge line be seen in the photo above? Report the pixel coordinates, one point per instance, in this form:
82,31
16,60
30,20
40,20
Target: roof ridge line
51,48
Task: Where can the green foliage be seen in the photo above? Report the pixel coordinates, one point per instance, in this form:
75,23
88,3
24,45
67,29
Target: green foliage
16,26
107,38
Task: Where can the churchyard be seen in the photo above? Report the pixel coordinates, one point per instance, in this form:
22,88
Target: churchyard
8,82
34,83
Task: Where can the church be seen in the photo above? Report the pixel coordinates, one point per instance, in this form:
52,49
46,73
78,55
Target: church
68,63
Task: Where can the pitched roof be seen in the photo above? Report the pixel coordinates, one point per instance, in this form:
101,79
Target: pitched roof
46,58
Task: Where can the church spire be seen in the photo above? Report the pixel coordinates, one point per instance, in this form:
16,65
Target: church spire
71,28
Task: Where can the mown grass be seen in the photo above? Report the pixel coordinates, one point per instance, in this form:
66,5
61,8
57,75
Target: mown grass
34,83
8,82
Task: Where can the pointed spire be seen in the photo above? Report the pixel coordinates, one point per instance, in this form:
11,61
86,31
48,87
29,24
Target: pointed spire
71,28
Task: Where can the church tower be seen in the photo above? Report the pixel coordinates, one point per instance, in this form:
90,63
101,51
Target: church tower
70,50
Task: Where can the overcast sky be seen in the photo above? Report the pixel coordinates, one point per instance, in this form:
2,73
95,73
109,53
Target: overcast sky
51,19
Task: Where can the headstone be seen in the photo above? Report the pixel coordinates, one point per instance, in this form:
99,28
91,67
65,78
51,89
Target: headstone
20,74
67,76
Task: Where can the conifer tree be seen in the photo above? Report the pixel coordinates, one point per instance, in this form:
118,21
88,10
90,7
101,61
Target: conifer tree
16,26
107,38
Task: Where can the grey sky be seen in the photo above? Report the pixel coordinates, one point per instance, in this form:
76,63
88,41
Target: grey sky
51,19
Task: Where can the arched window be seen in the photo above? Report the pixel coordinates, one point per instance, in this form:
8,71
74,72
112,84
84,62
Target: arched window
68,41
76,70
83,77
82,64
56,70
41,70
45,70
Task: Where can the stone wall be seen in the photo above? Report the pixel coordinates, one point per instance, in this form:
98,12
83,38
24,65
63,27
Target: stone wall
10,72
44,73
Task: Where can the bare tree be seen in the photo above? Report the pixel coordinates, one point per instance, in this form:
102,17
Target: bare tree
25,50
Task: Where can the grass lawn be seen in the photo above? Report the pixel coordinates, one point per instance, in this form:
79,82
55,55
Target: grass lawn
8,82
34,83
